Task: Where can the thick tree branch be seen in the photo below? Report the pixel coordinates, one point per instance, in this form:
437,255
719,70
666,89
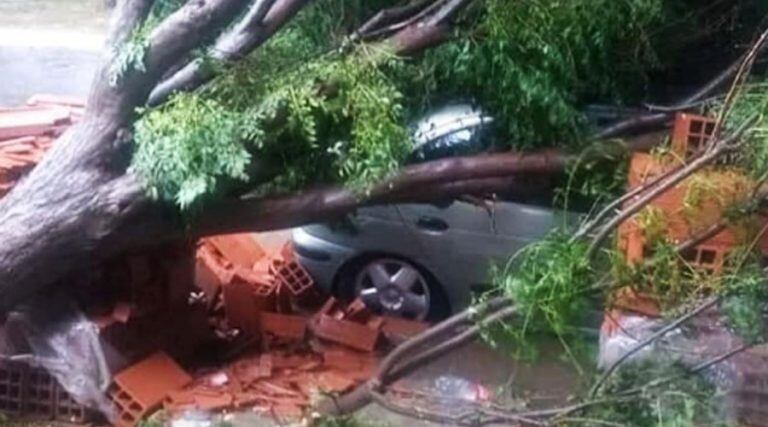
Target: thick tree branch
175,38
126,17
430,30
441,178
189,28
261,22
389,17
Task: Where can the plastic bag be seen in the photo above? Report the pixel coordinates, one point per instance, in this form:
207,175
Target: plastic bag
66,344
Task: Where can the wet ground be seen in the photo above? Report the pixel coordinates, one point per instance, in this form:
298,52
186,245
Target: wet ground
48,46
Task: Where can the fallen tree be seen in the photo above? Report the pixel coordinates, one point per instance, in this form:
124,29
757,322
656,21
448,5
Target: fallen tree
85,201
102,190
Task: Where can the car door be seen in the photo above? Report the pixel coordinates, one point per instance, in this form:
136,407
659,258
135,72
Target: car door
380,229
517,225
457,240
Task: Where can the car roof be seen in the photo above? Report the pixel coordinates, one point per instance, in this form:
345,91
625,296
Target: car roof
446,120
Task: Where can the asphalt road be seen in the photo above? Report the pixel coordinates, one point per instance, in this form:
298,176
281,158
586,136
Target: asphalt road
48,46
25,71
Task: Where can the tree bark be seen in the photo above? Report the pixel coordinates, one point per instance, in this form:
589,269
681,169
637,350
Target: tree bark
82,203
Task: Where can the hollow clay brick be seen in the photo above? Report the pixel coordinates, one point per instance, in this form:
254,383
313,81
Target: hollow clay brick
143,386
240,249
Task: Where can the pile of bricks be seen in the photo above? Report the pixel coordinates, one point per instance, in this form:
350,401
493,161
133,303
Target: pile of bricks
724,186
292,343
156,309
27,132
302,346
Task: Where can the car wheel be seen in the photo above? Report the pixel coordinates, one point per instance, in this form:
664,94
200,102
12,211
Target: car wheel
396,287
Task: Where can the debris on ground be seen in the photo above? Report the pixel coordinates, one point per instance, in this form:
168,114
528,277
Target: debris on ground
26,133
232,323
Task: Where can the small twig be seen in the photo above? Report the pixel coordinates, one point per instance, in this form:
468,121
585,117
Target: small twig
711,231
418,413
672,326
438,330
741,74
678,107
695,370
465,337
595,221
591,421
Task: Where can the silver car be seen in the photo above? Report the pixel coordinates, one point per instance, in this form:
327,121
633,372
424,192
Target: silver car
416,260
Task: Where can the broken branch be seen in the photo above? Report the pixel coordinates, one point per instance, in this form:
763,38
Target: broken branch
262,21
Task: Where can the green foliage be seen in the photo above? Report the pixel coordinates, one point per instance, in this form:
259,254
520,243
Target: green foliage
544,57
188,149
549,282
329,120
130,55
687,401
751,100
746,296
340,121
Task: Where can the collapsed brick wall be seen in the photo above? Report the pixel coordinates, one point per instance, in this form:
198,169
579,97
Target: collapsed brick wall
278,341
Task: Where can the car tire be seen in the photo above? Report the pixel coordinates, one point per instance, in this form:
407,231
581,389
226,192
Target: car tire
349,278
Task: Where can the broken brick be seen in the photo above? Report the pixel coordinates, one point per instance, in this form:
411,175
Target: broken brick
240,249
357,311
399,328
292,276
361,364
283,325
213,401
243,303
142,387
334,382
351,334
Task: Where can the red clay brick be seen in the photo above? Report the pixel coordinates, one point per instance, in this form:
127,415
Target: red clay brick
402,328
243,303
293,277
351,334
357,312
284,325
143,387
240,249
361,365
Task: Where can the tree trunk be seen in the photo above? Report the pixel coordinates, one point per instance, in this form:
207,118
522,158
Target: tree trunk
56,218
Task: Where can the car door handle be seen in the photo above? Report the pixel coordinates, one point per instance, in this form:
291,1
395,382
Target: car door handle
431,223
